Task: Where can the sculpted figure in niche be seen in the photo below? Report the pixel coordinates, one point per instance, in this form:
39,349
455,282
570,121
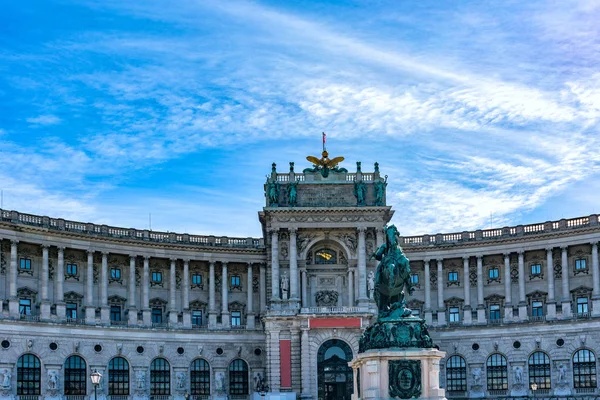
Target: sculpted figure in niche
562,373
180,380
140,378
518,371
52,380
476,376
220,382
285,284
371,285
6,375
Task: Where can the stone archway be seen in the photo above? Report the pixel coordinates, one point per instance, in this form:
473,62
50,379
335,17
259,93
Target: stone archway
335,381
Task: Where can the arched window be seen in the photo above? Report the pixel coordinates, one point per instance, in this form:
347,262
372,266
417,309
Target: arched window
29,374
456,374
200,377
539,370
584,369
238,377
496,372
118,377
75,376
160,377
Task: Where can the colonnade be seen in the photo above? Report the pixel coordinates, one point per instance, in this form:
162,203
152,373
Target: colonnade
509,304
90,304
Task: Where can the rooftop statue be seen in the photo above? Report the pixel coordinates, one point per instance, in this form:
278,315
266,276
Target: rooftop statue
324,165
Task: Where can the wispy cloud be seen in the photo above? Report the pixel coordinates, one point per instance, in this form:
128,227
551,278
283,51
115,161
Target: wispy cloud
44,120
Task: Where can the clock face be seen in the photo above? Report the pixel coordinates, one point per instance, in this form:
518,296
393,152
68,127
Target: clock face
325,256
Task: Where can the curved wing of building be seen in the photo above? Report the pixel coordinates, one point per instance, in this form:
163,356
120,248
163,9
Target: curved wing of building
168,315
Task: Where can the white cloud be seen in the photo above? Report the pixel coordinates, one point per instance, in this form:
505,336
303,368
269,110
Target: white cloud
47,119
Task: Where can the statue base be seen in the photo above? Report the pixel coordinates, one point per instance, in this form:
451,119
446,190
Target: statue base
398,373
396,332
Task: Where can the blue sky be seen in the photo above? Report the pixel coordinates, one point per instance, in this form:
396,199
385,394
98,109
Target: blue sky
114,109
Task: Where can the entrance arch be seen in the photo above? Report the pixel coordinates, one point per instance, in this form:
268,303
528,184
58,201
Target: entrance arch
335,381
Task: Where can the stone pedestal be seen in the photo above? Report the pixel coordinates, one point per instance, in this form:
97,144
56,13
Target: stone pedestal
388,372
595,306
212,319
147,317
61,311
187,319
132,317
566,309
90,315
13,308
45,310
481,320
173,315
105,315
551,310
523,312
250,321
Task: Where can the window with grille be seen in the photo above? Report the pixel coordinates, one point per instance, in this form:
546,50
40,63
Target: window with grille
582,305
160,377
584,369
71,310
539,370
238,377
75,376
71,269
197,317
456,374
25,263
454,314
25,306
118,377
199,377
496,372
29,375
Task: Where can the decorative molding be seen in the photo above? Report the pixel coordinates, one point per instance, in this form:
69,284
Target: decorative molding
326,298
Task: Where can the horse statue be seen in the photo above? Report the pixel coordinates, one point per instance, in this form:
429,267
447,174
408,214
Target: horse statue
392,277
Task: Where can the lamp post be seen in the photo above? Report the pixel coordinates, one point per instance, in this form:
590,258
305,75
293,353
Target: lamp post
95,377
533,389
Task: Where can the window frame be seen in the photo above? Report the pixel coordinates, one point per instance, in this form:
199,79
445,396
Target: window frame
29,375
160,377
24,264
238,377
156,312
584,369
199,377
454,317
452,276
116,313
69,309
587,304
118,377
493,312
496,371
71,269
539,371
456,374
25,309
237,317
75,376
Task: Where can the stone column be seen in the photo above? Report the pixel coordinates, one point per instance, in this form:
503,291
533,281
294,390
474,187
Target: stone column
508,308
440,292
104,310
225,321
59,295
566,294
187,316
274,361
212,308
380,237
275,265
45,303
13,303
522,298
132,315
350,288
172,292
428,317
296,359
307,370
467,313
362,268
595,280
146,311
90,309
304,288
262,287
481,319
250,300
294,295
551,303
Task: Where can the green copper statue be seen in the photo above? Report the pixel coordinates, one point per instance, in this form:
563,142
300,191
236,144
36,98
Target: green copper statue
292,193
360,192
273,192
380,191
392,276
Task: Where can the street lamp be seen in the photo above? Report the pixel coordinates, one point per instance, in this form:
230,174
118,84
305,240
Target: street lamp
95,377
533,389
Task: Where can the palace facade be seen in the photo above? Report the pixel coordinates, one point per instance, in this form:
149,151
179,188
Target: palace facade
169,316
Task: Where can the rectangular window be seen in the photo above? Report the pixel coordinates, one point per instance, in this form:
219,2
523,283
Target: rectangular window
582,305
71,310
416,313
236,318
25,306
235,281
414,278
495,312
454,314
537,309
157,277
494,273
157,315
115,273
536,269
580,264
71,269
197,317
196,279
453,276
115,313
25,263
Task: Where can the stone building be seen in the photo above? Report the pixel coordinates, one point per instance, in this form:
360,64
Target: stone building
170,315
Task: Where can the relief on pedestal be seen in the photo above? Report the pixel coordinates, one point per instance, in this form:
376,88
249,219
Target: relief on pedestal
405,378
327,298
